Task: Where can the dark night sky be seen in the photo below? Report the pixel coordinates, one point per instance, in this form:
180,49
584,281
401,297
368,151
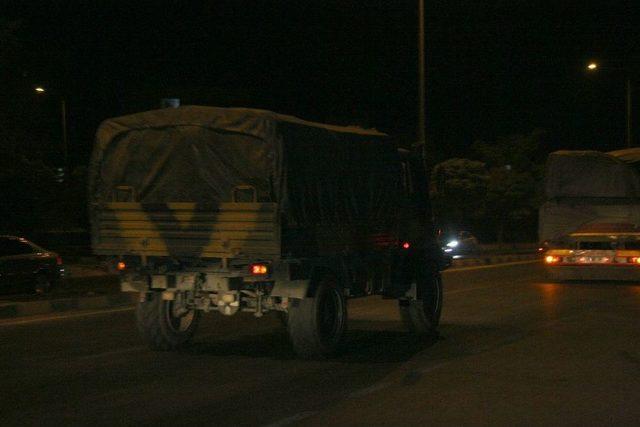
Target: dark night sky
493,68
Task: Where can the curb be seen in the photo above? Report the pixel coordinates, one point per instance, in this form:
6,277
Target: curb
488,260
31,308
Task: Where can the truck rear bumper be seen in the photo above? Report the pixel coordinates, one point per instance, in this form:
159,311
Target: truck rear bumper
282,286
594,272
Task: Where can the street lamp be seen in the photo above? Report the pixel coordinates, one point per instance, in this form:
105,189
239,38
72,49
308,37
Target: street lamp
63,121
594,66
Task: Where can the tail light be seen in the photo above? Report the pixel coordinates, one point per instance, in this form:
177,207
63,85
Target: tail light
259,269
58,260
551,259
406,245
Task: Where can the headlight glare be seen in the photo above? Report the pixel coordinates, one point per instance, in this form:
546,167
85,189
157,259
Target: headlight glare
452,244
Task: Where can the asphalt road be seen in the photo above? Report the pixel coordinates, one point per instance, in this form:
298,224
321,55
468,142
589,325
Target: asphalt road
515,350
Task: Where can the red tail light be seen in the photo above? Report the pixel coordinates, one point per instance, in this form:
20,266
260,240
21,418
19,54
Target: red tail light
406,245
58,260
258,269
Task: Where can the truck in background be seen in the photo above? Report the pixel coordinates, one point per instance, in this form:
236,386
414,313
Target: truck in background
224,210
589,224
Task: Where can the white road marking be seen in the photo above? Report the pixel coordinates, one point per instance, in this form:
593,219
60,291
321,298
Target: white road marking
292,419
355,395
112,353
368,390
479,288
431,368
484,267
11,322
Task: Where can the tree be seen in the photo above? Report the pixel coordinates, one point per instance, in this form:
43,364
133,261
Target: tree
518,151
511,206
458,192
516,165
497,194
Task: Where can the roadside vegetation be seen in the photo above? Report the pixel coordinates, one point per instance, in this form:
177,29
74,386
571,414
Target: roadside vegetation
496,192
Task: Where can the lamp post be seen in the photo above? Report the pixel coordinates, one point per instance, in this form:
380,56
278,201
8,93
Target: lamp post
593,66
421,77
63,123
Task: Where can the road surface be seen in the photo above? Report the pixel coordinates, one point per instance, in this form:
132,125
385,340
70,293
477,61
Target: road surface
515,350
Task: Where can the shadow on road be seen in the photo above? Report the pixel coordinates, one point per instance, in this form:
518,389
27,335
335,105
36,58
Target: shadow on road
360,346
465,339
274,345
383,346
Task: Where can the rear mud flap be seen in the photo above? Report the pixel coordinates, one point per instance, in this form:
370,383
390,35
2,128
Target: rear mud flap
290,288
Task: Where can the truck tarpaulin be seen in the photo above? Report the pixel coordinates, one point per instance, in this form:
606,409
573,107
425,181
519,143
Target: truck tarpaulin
316,173
588,187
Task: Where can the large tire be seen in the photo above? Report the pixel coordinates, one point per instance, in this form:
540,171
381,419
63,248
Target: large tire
421,315
317,324
165,325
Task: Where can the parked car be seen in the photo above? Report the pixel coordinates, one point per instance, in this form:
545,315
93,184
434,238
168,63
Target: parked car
26,267
459,243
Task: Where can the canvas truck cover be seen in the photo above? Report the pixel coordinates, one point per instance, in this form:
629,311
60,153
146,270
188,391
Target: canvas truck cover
316,173
589,187
589,174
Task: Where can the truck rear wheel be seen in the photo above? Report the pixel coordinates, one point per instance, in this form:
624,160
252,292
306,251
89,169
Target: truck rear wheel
317,324
166,325
421,315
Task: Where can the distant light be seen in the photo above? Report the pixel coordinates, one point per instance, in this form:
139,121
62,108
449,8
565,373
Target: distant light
121,266
40,89
170,102
453,244
406,245
59,175
592,66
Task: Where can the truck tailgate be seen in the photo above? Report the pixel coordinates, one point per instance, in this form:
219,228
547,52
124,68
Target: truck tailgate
185,230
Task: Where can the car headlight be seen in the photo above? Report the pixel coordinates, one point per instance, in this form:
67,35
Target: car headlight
452,244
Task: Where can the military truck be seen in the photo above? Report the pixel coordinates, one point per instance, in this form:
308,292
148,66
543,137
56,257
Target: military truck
228,210
590,221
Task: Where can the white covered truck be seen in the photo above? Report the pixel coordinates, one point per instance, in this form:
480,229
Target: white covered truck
590,221
229,210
